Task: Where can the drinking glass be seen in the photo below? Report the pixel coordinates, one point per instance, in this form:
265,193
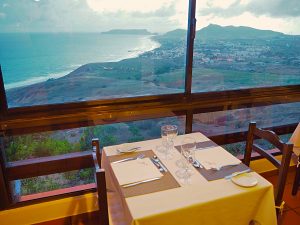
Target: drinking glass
168,134
188,148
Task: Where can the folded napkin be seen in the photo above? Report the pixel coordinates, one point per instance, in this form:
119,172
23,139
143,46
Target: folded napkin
135,170
127,147
214,157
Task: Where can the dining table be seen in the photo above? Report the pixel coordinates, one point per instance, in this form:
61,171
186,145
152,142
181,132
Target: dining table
152,193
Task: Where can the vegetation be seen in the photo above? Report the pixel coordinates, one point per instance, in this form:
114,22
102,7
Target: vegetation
56,181
62,142
104,133
36,145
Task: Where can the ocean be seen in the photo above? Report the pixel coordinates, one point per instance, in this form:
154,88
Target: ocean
28,58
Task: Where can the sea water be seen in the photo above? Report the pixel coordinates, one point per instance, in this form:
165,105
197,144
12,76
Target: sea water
28,58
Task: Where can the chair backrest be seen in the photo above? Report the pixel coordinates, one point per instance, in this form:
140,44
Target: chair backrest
283,165
101,183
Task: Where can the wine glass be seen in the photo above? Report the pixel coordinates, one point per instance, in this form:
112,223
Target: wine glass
168,134
188,148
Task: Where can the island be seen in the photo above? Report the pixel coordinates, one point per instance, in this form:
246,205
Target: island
128,32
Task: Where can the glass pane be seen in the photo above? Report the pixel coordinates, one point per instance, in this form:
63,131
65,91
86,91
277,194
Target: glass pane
53,182
69,51
238,148
245,44
66,141
61,142
222,122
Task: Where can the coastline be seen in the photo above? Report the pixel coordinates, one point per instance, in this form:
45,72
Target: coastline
148,44
136,52
36,80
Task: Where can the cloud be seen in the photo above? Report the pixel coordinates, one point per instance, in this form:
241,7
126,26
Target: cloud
154,15
271,8
90,15
141,6
44,15
2,15
164,11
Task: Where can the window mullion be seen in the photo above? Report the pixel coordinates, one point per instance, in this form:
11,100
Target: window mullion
190,47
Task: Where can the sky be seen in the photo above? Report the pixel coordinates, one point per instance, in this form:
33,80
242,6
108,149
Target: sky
155,15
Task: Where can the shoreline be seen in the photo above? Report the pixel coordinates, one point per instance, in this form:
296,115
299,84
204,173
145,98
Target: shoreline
132,53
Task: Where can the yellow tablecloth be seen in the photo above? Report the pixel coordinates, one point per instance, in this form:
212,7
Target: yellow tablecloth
200,202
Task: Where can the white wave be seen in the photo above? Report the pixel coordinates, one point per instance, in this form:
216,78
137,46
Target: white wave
35,80
147,45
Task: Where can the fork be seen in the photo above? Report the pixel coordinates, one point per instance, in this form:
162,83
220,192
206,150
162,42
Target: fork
131,158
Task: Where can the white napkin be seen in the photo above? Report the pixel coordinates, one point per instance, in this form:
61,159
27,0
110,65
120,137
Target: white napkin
126,147
135,170
214,157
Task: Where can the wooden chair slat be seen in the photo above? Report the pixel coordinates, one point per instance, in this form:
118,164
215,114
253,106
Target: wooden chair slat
266,154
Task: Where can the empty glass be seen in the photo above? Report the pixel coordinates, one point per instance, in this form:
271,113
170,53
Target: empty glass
168,134
188,147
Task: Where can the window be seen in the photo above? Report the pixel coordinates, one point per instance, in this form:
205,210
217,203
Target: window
27,147
53,143
245,44
232,121
53,182
238,148
72,51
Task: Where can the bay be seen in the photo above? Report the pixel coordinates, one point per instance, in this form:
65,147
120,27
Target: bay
28,58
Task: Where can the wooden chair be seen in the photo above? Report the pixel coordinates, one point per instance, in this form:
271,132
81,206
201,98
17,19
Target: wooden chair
283,165
101,184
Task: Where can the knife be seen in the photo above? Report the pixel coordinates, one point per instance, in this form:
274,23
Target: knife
140,182
123,160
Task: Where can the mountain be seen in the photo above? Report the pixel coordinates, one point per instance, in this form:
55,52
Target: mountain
172,36
216,32
128,31
178,33
213,32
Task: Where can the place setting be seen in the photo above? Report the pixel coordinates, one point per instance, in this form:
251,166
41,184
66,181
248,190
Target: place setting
213,163
141,173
